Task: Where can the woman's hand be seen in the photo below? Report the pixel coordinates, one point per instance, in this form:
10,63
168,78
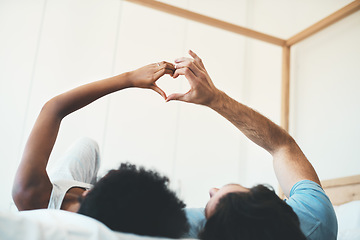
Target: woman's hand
147,76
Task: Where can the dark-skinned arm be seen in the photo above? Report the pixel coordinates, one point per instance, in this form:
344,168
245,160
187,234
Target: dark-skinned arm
32,186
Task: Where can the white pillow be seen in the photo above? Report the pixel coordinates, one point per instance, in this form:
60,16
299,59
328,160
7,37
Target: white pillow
348,216
47,224
349,234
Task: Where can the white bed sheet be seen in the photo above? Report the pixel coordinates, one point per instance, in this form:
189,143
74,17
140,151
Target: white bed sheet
57,225
348,216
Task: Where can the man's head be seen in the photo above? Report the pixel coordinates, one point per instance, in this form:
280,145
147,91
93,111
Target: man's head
138,201
235,212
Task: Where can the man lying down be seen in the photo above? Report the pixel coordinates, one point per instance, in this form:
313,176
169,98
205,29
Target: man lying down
132,199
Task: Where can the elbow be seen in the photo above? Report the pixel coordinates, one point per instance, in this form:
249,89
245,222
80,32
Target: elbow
286,146
283,143
54,107
20,197
287,141
51,105
27,198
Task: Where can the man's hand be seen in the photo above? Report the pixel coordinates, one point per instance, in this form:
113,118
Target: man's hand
202,89
290,164
146,77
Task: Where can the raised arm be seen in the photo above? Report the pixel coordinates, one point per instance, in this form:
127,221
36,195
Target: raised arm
32,187
290,164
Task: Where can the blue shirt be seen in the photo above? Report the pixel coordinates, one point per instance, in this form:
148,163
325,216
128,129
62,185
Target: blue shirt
308,200
314,209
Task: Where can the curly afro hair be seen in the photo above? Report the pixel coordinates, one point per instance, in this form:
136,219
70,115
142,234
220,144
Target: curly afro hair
136,200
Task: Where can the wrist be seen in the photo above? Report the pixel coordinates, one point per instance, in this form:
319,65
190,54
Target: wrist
216,101
128,79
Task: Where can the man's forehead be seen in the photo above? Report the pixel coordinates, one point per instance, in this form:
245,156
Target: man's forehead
228,188
235,186
232,184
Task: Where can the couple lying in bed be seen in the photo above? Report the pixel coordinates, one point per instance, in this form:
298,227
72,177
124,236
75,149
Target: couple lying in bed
132,199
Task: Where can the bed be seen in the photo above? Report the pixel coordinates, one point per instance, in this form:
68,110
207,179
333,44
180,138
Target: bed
344,194
55,224
342,190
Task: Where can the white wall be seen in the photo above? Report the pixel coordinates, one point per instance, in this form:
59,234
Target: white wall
51,46
325,100
75,42
17,62
324,77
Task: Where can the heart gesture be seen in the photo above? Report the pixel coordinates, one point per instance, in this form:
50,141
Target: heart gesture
202,90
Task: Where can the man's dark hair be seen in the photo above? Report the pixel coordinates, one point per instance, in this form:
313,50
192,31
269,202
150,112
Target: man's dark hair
136,200
255,215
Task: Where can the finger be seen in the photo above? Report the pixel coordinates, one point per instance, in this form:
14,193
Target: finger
185,59
162,72
182,68
169,65
167,70
182,59
165,64
187,73
177,97
196,58
193,67
170,71
159,90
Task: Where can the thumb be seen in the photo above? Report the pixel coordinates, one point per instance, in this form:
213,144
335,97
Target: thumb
177,96
159,91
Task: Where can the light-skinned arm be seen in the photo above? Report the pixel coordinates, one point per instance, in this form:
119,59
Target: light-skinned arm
290,164
32,186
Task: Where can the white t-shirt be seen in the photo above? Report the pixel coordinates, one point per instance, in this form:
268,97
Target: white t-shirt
78,167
